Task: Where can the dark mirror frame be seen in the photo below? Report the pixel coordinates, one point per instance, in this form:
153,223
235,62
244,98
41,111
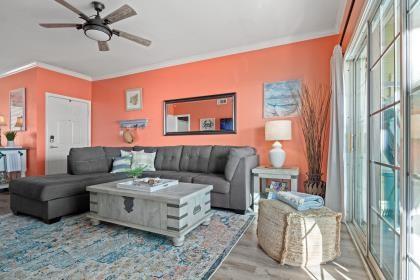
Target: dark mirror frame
198,98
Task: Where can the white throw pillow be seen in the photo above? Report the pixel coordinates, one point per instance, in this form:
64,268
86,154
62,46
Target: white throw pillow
126,153
143,160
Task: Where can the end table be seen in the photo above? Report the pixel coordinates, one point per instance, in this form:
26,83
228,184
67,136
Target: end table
262,173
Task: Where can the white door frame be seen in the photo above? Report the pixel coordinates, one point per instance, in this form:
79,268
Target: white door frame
88,102
183,115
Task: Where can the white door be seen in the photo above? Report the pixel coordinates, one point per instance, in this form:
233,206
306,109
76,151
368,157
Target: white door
183,123
68,126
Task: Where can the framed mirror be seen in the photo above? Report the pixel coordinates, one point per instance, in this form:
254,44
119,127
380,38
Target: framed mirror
17,104
211,114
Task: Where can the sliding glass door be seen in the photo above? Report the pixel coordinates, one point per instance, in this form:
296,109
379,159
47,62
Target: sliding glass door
383,137
360,140
413,213
384,157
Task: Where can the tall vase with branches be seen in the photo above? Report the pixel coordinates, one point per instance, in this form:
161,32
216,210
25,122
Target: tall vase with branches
314,108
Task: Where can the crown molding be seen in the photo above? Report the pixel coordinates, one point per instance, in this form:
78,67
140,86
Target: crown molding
196,58
232,51
340,15
48,67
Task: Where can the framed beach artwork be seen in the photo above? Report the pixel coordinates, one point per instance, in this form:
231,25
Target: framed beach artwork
281,99
17,108
133,99
207,124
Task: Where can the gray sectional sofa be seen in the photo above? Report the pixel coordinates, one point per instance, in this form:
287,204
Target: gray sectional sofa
227,168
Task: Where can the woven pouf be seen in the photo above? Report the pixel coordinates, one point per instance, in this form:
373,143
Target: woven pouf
298,238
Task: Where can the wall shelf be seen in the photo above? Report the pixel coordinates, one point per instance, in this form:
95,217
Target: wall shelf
139,123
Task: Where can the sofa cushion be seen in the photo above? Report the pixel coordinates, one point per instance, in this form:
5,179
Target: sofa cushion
220,185
168,158
51,187
88,160
235,156
185,177
195,158
218,159
145,149
114,152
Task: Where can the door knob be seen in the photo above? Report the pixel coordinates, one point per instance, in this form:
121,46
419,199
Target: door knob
53,147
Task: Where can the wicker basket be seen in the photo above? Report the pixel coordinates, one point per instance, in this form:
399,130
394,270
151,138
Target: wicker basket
298,238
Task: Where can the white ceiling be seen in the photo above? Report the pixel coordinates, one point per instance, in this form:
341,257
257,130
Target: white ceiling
181,31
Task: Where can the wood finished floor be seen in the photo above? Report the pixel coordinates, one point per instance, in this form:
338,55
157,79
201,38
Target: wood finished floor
248,262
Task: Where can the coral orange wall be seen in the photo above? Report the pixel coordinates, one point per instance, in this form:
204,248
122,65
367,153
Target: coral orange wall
200,110
356,13
242,73
28,138
37,82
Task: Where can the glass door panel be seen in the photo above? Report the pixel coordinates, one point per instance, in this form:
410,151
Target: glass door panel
384,138
360,141
413,211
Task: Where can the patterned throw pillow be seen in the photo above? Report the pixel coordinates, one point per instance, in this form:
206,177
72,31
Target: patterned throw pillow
143,160
121,164
126,153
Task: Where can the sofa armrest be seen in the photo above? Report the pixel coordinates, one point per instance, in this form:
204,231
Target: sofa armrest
240,185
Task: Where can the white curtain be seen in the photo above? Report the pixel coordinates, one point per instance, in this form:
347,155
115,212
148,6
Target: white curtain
335,197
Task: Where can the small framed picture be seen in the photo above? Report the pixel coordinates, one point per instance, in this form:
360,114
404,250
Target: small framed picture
133,99
207,124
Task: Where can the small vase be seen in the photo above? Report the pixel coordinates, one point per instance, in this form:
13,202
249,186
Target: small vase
10,143
315,185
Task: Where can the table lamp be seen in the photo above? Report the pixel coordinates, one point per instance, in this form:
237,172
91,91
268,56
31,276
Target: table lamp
2,123
275,131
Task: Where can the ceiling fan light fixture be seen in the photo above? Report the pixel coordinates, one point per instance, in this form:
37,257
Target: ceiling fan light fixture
97,32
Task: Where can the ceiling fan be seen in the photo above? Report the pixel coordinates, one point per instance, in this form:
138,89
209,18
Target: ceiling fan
97,28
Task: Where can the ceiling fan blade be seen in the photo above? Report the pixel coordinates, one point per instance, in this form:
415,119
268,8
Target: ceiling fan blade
132,37
60,25
103,46
120,14
70,7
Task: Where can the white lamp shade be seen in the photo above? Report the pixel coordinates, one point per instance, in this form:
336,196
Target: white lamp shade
2,120
278,130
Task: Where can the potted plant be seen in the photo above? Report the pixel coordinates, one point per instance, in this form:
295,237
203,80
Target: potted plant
10,136
314,108
136,172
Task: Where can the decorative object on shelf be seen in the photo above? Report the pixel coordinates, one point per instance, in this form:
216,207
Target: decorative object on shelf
274,131
128,136
207,124
2,123
134,99
314,112
17,109
280,98
127,127
10,136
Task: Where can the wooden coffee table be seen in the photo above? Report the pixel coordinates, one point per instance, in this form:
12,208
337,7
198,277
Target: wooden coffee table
172,212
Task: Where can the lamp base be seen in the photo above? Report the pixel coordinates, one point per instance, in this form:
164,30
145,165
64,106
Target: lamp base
277,155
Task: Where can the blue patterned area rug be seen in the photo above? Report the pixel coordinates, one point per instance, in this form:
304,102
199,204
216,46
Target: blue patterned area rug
74,249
